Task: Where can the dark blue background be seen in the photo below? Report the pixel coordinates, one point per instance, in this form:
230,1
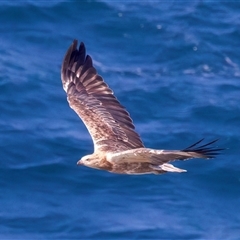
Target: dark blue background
174,66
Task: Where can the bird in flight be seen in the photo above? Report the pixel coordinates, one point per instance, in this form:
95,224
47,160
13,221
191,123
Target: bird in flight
117,146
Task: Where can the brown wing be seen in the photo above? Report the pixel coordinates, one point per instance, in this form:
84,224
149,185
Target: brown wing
89,96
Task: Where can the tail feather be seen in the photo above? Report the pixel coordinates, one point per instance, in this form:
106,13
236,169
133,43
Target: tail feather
167,168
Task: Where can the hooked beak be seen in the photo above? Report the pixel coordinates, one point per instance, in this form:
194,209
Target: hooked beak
79,162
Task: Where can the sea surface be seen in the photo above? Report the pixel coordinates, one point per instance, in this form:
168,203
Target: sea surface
175,66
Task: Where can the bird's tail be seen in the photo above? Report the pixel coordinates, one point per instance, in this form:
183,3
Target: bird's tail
167,167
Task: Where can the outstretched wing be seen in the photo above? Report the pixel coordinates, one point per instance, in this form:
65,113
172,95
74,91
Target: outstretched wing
89,96
194,151
164,156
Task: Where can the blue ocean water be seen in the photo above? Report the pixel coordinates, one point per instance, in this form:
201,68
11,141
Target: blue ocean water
174,66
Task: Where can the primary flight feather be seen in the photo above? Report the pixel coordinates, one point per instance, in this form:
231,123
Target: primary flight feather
117,146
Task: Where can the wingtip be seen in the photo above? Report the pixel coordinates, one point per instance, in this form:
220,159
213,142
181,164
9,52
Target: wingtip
81,45
75,44
73,54
206,151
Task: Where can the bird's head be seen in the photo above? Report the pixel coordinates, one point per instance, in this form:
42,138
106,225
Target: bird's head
89,161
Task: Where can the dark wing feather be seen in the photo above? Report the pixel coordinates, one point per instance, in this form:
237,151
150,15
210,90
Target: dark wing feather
89,96
206,150
193,151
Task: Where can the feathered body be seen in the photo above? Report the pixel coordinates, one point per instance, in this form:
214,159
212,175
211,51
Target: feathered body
117,146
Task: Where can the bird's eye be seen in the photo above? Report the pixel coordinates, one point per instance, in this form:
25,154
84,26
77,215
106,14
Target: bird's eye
86,159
